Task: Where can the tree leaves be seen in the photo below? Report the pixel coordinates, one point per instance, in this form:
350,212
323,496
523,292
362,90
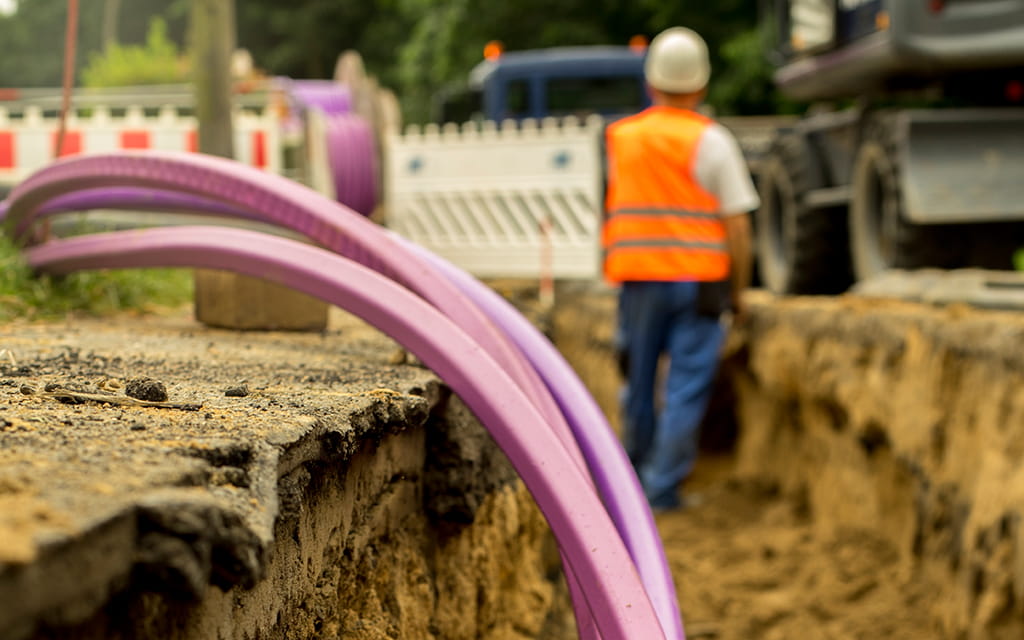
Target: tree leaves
415,47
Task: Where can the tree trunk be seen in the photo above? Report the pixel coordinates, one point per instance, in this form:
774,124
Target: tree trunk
111,15
212,35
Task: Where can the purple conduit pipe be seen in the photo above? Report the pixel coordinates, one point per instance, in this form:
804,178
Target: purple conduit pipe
328,96
613,476
598,559
349,141
288,204
352,156
155,200
299,208
151,199
138,199
612,471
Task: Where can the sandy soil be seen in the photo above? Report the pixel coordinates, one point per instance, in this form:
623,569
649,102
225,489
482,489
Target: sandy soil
749,564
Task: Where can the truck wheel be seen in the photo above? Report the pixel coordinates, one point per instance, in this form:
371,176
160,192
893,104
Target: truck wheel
881,238
800,249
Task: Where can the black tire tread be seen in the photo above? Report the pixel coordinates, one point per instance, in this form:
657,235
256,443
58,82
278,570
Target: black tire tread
818,254
916,246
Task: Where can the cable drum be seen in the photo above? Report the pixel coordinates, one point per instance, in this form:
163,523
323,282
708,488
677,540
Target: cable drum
328,96
352,152
352,155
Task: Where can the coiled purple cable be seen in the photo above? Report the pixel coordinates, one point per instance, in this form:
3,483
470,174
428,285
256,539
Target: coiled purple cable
330,97
352,156
597,557
357,236
605,457
142,199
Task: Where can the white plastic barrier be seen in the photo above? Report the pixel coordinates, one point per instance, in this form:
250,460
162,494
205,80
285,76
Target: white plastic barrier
516,200
28,137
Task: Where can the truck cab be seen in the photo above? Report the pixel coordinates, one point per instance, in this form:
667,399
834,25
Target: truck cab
552,82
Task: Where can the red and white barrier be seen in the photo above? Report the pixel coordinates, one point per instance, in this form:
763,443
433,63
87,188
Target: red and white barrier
28,137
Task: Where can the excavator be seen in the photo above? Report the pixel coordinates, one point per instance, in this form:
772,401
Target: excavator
911,153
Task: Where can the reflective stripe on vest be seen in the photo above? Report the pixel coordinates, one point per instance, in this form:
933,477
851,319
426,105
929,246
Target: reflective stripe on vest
662,224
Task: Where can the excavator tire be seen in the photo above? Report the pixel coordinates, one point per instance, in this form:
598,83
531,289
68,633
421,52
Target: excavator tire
800,249
881,238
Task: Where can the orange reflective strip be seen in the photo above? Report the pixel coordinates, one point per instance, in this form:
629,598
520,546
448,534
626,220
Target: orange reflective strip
685,229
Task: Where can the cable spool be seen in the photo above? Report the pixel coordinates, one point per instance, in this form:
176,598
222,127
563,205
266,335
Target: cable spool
330,97
352,156
352,151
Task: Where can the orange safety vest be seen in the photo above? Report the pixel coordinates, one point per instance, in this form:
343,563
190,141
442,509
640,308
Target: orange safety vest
661,224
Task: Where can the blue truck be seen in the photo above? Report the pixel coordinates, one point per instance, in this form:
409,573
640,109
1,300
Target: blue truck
606,80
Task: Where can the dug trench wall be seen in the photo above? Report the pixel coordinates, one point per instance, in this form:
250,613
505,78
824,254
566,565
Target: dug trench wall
902,419
297,486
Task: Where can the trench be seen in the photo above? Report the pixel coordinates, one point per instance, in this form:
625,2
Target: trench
860,474
862,460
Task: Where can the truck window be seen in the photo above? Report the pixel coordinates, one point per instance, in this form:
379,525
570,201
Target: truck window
582,96
517,99
461,106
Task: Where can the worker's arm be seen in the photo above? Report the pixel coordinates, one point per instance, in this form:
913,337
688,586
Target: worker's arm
737,229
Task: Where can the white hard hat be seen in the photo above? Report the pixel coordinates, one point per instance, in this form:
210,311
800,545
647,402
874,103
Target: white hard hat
677,61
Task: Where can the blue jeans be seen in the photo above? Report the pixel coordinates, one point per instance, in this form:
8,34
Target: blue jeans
657,318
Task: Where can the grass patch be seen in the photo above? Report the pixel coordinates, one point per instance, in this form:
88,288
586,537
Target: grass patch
39,296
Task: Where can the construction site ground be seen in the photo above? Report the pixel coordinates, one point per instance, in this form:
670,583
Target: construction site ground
821,517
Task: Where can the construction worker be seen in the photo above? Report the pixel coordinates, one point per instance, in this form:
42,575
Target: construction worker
677,239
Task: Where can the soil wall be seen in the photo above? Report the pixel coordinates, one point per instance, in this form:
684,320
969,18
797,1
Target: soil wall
898,420
293,486
906,420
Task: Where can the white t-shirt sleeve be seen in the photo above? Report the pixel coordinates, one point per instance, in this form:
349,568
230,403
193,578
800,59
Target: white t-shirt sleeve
720,168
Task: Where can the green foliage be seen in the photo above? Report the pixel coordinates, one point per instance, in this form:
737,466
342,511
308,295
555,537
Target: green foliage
742,82
448,38
303,39
156,62
23,294
416,47
32,42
